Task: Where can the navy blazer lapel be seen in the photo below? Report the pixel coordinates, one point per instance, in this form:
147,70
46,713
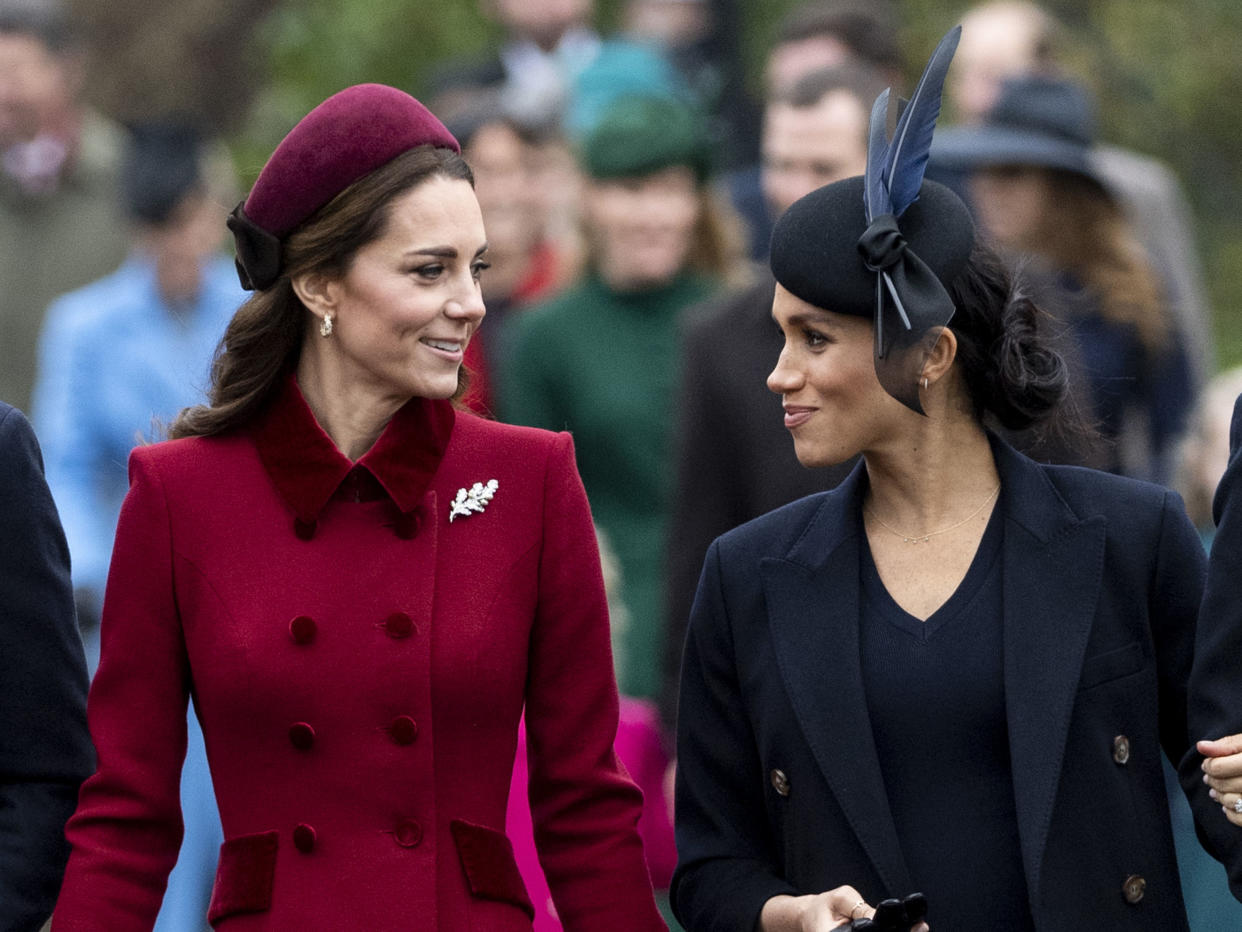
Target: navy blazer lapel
1052,565
813,604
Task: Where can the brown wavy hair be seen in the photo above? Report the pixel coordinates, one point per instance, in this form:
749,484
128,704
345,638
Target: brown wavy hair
1085,233
263,341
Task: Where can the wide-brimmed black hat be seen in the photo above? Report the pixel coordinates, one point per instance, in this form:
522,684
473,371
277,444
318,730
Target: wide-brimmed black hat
1037,120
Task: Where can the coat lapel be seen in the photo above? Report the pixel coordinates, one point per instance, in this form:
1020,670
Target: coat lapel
1052,565
813,604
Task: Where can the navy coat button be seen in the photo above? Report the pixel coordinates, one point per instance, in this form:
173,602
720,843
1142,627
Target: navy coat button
780,782
1121,750
301,736
1134,888
403,730
304,838
408,833
304,529
399,625
302,629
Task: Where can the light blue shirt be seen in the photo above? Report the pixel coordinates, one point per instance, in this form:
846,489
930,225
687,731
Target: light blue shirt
116,364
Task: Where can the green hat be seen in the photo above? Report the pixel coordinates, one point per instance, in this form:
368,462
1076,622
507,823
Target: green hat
641,135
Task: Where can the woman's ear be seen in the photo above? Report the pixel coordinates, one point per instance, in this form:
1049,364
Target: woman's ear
941,357
315,290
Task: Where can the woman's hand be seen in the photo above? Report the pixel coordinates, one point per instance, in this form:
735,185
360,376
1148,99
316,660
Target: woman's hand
1222,771
818,912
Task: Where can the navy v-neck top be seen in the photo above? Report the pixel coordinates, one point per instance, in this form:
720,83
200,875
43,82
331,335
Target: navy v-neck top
935,692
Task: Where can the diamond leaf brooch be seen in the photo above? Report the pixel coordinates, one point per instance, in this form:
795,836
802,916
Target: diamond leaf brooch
468,501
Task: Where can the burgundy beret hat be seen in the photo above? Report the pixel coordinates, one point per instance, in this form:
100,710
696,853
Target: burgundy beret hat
349,135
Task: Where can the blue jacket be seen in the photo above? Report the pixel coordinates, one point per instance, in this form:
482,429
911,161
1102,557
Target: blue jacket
45,750
1102,578
115,366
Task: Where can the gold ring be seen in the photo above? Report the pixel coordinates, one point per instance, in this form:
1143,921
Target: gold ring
856,905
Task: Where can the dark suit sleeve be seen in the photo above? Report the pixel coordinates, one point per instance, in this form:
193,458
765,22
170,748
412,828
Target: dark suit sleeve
706,503
726,865
45,750
1216,679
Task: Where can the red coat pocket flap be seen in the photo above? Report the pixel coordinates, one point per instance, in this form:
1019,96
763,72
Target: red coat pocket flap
244,876
487,858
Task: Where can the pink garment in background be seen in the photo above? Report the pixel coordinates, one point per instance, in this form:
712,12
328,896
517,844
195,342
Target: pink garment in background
640,750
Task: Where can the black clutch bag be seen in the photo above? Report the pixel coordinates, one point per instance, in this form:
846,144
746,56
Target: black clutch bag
894,915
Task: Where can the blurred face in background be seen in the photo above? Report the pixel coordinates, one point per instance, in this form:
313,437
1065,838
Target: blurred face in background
1010,202
789,61
642,228
506,184
674,23
998,42
805,148
543,22
182,244
37,88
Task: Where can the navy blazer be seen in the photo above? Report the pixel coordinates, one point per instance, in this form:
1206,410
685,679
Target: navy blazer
779,788
1216,678
45,749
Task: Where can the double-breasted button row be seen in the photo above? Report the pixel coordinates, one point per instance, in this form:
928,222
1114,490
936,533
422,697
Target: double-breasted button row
1121,750
397,625
402,730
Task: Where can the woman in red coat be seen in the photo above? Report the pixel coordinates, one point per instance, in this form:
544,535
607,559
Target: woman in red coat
360,586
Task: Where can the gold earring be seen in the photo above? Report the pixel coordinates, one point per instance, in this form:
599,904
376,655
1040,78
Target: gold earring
325,325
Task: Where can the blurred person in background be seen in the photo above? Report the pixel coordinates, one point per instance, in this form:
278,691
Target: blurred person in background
118,359
1010,38
525,263
1036,191
601,358
813,36
61,222
545,45
734,458
45,749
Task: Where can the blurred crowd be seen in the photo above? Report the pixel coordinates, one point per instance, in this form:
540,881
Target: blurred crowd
628,184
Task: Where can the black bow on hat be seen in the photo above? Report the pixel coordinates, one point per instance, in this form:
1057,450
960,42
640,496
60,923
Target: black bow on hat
911,304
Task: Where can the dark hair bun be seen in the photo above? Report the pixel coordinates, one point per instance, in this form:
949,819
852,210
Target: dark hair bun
1030,379
1011,368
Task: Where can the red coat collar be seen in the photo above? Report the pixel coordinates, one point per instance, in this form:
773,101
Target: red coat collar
307,468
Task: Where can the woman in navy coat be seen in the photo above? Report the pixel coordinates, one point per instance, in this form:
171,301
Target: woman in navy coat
955,673
361,587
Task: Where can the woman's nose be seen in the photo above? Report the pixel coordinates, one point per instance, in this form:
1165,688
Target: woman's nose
784,378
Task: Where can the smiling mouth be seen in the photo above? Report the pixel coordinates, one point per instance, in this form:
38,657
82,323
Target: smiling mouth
444,346
796,417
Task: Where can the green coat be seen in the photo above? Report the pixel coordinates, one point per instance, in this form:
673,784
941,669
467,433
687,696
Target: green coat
604,365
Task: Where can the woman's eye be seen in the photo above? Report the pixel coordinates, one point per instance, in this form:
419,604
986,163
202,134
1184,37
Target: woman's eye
430,271
814,338
479,268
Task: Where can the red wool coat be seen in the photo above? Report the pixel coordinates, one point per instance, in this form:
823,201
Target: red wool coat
359,663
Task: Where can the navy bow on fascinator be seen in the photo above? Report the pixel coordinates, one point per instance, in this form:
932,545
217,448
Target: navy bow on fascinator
911,304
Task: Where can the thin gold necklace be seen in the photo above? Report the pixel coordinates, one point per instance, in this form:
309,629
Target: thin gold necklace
924,538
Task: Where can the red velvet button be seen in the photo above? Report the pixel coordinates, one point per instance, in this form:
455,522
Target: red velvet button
408,833
403,730
407,524
304,838
305,530
399,625
302,736
302,629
